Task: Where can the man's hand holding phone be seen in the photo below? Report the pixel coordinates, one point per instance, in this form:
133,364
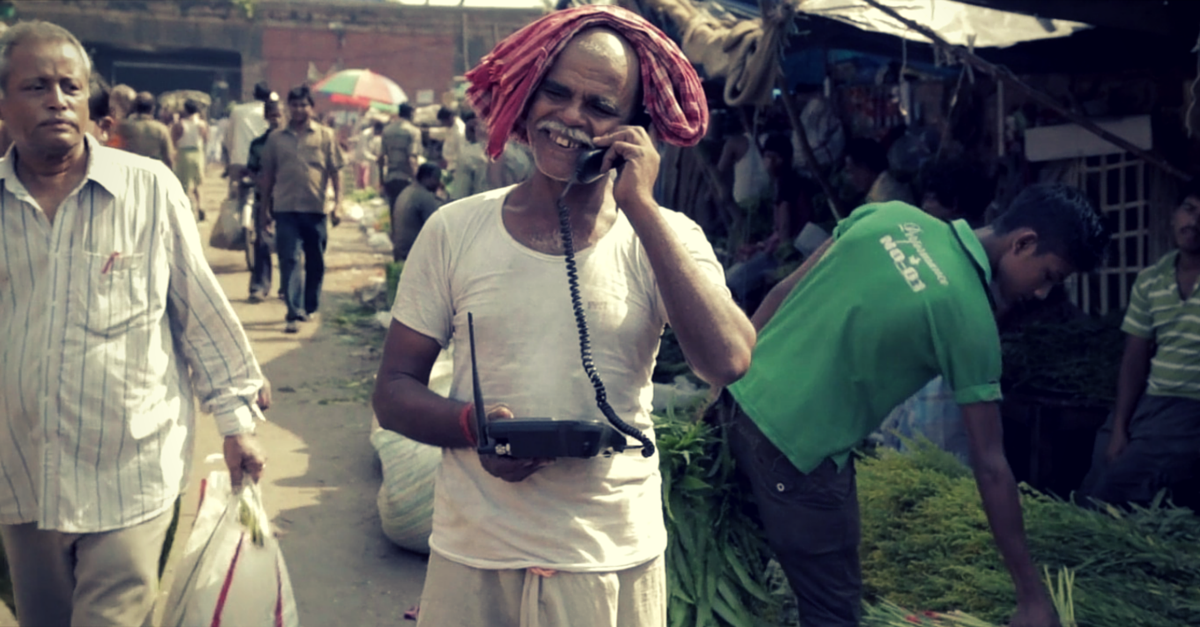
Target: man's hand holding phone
634,189
507,468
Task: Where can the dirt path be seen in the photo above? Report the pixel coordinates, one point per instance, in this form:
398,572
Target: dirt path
321,478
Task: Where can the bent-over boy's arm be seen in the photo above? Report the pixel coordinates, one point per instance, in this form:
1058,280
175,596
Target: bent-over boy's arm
780,292
1001,501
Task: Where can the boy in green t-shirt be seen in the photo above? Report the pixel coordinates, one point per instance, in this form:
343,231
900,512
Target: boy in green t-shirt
896,298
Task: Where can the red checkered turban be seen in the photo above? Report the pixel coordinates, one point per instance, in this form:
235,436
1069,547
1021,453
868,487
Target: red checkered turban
504,81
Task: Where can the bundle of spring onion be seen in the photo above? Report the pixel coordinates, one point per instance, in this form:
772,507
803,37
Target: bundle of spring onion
888,614
926,544
716,559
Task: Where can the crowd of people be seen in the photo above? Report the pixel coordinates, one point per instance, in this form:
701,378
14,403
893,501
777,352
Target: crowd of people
116,325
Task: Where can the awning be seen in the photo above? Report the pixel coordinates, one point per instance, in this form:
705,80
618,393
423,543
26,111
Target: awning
956,22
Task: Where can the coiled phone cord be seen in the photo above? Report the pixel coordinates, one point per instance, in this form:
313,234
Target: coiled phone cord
585,342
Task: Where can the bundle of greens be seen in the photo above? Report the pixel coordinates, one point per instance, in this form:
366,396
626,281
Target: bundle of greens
888,614
393,279
716,560
1077,359
926,544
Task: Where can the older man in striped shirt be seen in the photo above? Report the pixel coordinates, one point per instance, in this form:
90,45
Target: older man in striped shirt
111,326
1152,440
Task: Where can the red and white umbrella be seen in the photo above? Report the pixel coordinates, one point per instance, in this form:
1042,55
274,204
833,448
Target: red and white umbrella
363,88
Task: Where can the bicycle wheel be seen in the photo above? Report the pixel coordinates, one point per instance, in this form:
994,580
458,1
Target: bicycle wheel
250,247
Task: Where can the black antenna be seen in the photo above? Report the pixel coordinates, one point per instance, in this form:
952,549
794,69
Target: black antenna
480,414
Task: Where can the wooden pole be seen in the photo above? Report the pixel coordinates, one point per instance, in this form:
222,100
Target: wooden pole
810,158
1006,75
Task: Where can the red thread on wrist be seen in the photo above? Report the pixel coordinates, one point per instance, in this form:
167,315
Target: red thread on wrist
464,422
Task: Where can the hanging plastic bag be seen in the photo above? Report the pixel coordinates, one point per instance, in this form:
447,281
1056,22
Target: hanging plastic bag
228,233
232,573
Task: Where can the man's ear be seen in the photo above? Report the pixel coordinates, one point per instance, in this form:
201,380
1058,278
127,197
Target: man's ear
106,123
1024,241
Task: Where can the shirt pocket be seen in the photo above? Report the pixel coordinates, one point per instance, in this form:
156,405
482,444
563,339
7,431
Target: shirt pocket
110,293
311,153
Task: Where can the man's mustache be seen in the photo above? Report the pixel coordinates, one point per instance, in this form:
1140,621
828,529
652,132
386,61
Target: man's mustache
572,134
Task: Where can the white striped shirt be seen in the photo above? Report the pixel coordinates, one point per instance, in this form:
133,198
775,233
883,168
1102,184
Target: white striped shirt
1157,313
103,313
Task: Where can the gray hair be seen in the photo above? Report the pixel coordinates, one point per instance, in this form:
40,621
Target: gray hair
39,31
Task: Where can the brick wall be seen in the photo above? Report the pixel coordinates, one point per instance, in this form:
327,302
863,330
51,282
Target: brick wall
420,47
415,62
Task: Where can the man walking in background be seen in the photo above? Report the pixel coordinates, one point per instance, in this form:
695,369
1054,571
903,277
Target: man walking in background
120,103
300,161
470,175
401,147
264,231
143,135
366,154
190,134
115,328
452,144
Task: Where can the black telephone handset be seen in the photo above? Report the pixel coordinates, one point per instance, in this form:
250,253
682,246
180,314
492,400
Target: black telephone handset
587,168
526,438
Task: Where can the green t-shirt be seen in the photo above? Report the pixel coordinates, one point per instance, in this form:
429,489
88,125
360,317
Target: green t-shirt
899,298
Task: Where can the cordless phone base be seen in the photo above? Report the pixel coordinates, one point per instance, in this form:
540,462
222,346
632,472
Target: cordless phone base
526,438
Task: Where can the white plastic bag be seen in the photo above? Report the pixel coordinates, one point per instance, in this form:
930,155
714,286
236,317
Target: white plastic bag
232,573
227,233
405,498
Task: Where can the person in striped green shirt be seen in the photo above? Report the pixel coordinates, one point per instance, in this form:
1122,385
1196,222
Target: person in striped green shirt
1152,439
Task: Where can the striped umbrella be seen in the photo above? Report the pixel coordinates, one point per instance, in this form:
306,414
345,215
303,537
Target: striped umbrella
363,88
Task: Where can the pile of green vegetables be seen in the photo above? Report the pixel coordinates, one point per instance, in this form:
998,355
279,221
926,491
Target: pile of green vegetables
1077,359
394,269
888,614
926,545
717,571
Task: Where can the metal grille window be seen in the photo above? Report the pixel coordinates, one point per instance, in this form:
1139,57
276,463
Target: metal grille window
1118,185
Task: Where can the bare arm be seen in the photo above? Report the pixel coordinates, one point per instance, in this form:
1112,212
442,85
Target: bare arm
780,292
336,181
716,337
403,401
1135,367
1002,503
213,342
735,148
168,151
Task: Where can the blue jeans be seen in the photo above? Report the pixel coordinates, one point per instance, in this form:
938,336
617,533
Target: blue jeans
750,280
810,520
293,230
1163,452
260,274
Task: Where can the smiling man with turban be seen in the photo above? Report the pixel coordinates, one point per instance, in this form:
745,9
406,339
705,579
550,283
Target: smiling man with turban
579,542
